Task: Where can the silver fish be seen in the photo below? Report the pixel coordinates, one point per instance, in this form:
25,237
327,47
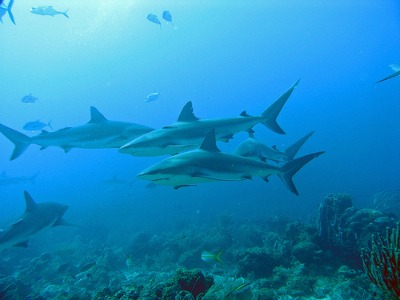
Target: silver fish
29,99
153,18
167,17
36,125
152,97
47,11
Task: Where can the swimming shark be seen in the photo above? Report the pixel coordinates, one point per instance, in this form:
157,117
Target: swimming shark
189,131
37,216
395,69
253,148
98,133
209,164
7,9
6,180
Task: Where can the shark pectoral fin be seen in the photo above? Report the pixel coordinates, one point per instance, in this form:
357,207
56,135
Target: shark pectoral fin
43,147
20,221
248,177
62,222
169,127
265,178
66,148
226,138
183,185
23,244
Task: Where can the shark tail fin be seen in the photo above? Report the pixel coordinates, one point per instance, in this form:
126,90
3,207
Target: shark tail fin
9,11
32,179
292,167
272,112
292,150
20,140
65,14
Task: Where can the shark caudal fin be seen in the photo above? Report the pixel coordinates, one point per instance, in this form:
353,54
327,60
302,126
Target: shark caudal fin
292,150
32,179
65,14
10,4
20,140
272,112
292,167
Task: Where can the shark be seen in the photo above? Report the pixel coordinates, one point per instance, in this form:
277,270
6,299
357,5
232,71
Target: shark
189,131
6,180
253,148
98,133
37,217
209,164
7,9
396,72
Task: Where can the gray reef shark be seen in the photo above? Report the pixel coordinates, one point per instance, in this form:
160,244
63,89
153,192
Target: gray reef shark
98,133
6,180
6,9
209,164
37,216
189,131
395,69
253,148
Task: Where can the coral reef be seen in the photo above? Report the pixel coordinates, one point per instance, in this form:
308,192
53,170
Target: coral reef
381,262
275,258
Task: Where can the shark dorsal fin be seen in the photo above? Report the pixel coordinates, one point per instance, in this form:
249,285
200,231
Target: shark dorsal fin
244,114
209,143
30,203
187,114
96,116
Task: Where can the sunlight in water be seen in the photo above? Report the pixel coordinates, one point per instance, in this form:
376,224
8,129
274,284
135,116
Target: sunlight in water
100,18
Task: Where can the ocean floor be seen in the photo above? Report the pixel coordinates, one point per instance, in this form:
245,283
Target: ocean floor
276,258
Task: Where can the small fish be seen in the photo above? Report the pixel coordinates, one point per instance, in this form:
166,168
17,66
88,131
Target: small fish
153,18
129,261
382,220
87,267
47,11
211,257
152,97
167,17
239,289
36,125
29,99
6,9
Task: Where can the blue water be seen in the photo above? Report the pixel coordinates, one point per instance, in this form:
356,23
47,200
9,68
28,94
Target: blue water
224,56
